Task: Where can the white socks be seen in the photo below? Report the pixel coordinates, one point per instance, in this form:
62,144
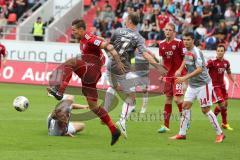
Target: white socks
212,118
127,108
109,97
184,121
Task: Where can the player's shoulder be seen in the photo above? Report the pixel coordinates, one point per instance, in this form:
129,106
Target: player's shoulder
226,61
197,50
88,35
177,40
162,42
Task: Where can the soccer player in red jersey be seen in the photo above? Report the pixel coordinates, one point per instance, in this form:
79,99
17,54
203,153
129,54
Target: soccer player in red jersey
217,68
3,54
88,67
172,52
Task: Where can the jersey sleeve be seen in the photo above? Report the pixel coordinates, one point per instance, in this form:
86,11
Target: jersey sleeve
182,48
199,59
141,45
113,36
93,40
209,63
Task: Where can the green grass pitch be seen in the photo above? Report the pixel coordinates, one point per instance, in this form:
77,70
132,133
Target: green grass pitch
23,135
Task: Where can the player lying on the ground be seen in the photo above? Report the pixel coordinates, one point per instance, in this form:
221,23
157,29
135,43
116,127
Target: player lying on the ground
86,66
126,41
171,50
58,120
217,68
200,87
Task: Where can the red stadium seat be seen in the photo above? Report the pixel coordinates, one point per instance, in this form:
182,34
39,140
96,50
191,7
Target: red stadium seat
87,2
12,18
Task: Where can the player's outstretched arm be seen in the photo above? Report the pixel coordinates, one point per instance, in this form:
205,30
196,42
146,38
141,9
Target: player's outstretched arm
197,71
232,79
108,47
152,60
79,106
179,71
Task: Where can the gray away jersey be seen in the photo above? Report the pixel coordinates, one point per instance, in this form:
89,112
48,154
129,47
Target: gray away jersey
125,42
53,127
194,59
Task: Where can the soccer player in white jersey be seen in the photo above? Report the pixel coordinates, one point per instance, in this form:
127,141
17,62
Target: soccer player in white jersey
200,87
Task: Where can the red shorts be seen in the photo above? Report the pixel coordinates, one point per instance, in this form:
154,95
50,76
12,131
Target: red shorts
172,88
219,94
90,74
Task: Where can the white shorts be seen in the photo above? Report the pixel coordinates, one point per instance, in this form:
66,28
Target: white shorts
203,94
71,128
127,82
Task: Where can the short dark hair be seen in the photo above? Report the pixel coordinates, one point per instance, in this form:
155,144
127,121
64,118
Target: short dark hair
79,23
221,46
189,34
134,17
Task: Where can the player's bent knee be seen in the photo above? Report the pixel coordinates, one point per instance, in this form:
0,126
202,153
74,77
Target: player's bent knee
168,100
186,105
79,126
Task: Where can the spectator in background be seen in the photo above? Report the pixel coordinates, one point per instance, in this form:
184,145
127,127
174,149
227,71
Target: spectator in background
146,28
31,3
38,30
230,17
120,8
21,6
207,12
196,19
162,20
126,13
107,14
117,23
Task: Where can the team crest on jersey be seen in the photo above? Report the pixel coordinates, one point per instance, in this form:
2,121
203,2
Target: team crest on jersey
174,47
225,65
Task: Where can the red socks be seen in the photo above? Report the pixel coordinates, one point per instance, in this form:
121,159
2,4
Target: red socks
224,115
103,115
66,75
167,114
223,111
217,110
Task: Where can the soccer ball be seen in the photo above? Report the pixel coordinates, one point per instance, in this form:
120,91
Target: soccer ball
20,103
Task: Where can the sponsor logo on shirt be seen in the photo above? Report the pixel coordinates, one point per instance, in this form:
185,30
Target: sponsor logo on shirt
174,47
97,42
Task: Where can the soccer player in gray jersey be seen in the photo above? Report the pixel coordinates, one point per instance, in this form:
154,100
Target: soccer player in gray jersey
200,87
125,42
58,121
